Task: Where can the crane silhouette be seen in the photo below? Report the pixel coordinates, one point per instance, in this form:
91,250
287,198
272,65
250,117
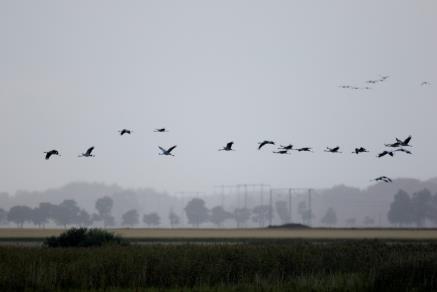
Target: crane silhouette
50,153
333,150
360,150
384,153
265,142
125,131
404,143
161,130
304,149
88,153
281,152
288,147
167,151
382,178
228,147
403,150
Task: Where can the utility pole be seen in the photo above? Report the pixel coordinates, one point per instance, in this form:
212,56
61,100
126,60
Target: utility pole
309,207
245,196
289,205
270,207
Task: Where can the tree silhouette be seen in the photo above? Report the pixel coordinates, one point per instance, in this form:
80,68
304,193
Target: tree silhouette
152,219
421,207
241,216
196,212
104,207
19,215
283,212
84,219
3,217
330,217
400,209
174,219
261,214
66,213
130,218
39,216
219,215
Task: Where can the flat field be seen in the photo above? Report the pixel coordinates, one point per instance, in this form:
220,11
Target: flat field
252,233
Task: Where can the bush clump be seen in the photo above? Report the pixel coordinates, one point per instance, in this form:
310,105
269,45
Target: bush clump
84,237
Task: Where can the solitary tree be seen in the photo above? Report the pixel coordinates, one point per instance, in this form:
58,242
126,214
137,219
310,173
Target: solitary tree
174,219
130,218
241,216
400,209
196,212
330,217
219,215
104,207
152,219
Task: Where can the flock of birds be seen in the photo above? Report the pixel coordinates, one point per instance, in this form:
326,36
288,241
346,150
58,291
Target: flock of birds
374,82
395,147
399,145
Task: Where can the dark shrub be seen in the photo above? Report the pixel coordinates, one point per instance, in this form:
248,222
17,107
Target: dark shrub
83,237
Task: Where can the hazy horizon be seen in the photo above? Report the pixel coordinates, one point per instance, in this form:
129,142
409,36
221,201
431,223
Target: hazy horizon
74,73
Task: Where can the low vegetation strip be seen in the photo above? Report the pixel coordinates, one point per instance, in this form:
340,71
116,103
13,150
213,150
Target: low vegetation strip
295,266
268,233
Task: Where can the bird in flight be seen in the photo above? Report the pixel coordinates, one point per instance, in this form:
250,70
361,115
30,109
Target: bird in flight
404,143
304,149
281,152
360,150
384,153
265,142
161,130
125,131
394,145
333,150
228,147
88,153
383,178
167,151
425,83
50,153
404,150
288,147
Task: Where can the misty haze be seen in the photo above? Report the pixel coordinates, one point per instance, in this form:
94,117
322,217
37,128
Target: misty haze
223,145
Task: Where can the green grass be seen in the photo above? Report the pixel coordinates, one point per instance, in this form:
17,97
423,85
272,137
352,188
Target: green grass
301,265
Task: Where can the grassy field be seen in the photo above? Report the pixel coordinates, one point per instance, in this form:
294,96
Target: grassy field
260,260
297,265
140,233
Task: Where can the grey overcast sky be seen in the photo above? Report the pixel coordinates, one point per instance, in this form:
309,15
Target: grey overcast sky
73,73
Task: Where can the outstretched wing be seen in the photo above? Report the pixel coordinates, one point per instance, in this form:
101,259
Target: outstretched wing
407,140
88,152
229,145
48,154
335,149
162,149
171,148
262,144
